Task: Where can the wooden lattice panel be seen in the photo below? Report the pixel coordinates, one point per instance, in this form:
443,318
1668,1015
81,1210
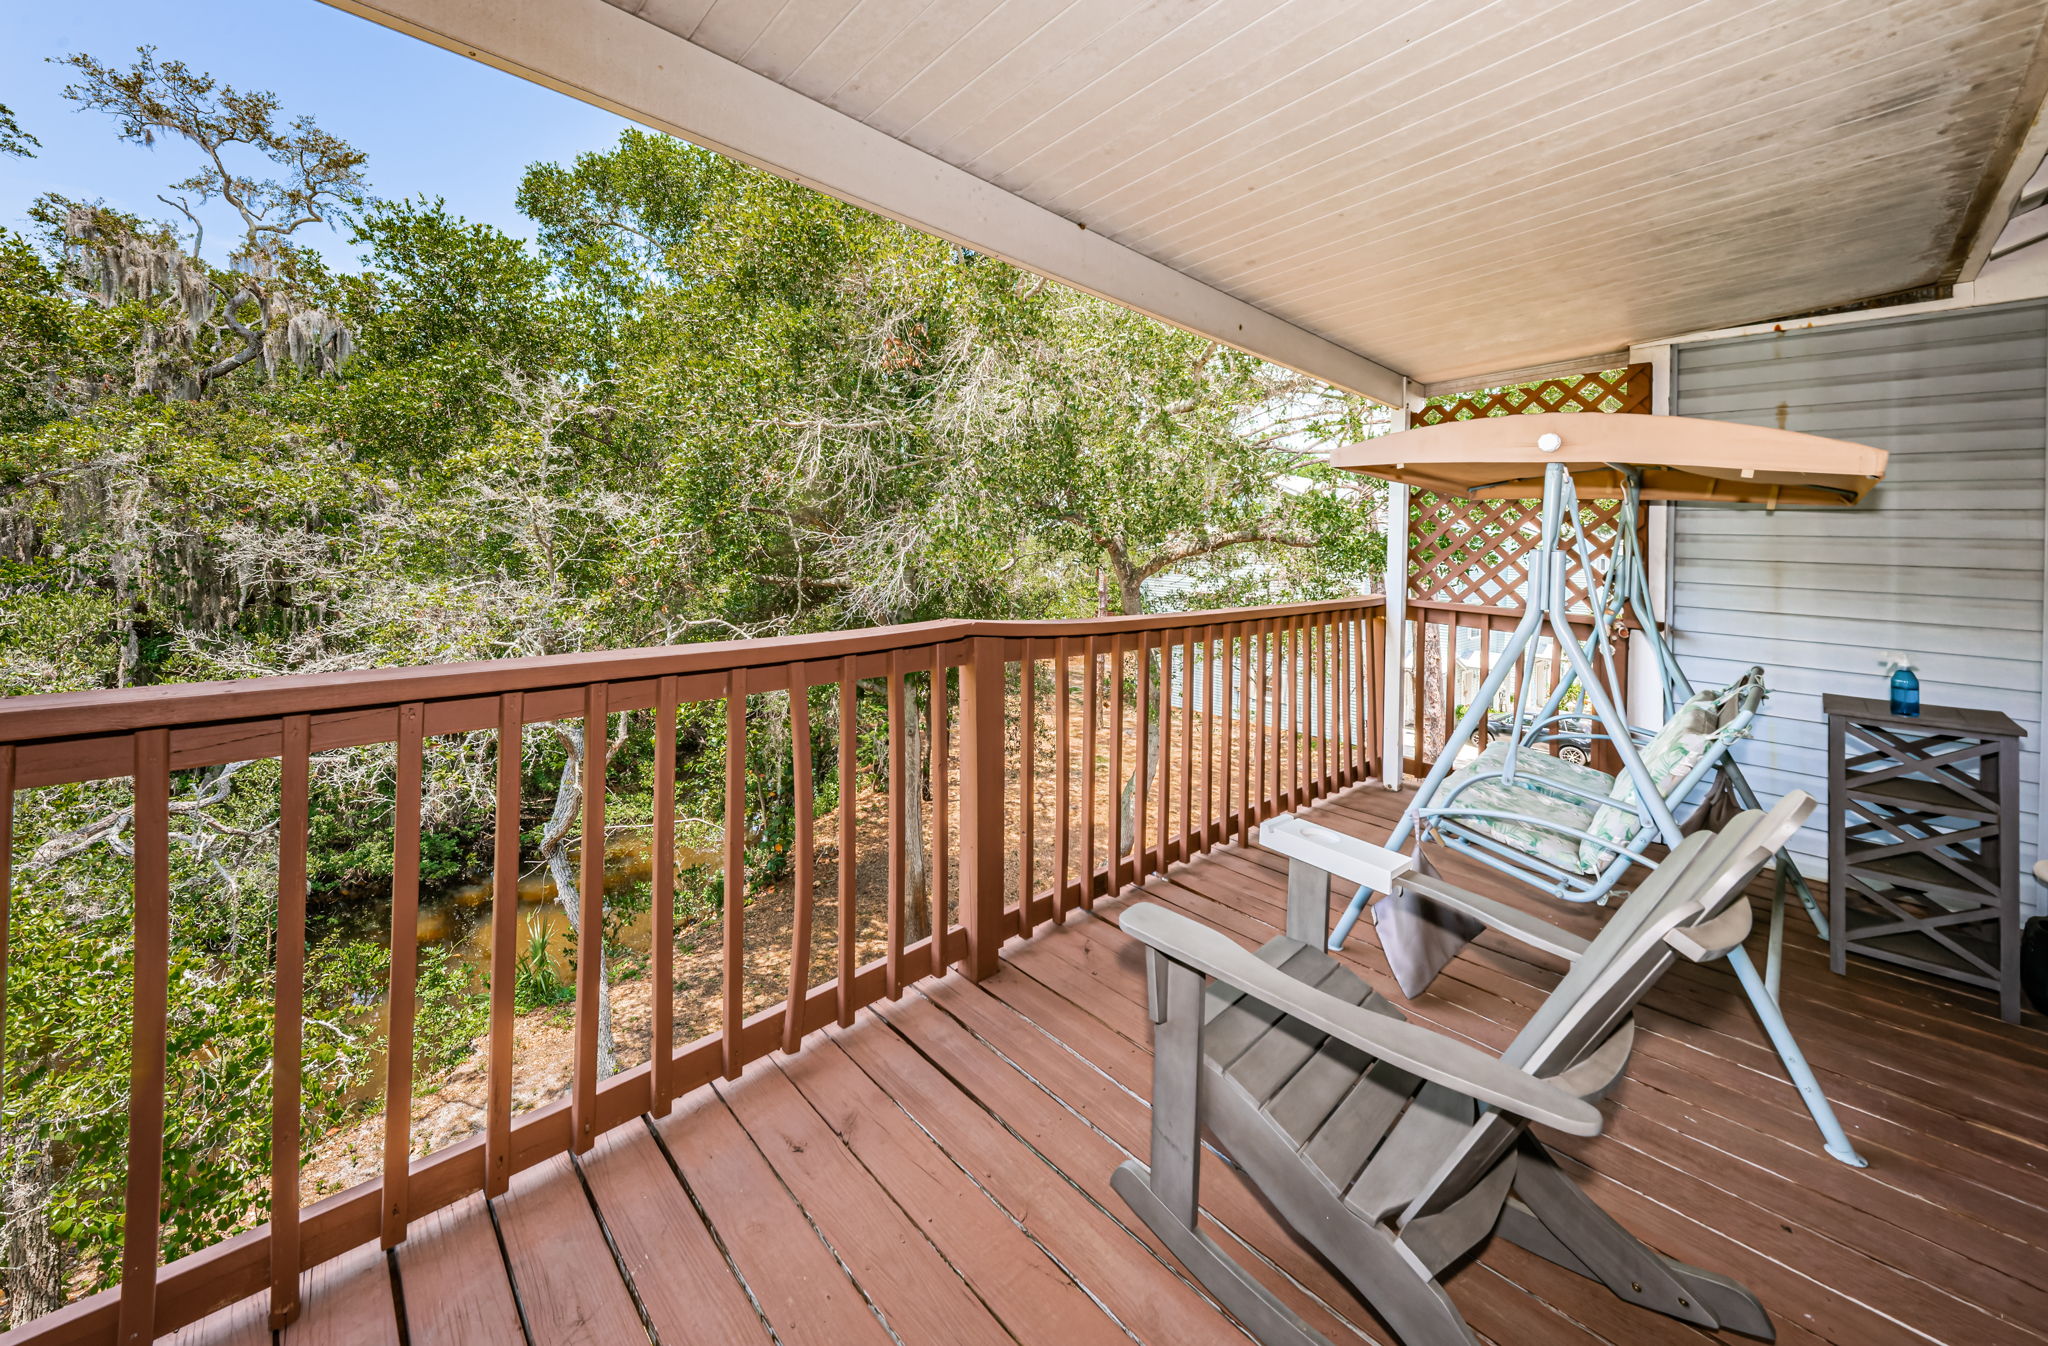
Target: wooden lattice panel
1476,551
1625,391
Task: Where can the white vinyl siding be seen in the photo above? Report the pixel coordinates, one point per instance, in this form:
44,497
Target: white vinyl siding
1942,562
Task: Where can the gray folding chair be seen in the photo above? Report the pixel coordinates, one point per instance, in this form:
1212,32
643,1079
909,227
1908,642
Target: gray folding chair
1395,1150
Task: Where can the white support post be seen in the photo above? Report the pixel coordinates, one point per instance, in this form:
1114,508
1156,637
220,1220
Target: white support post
1392,681
1645,678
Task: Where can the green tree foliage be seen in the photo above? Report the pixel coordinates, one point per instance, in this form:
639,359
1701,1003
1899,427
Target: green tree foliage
703,403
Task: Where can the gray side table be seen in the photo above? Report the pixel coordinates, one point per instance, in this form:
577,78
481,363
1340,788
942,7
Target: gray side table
1923,841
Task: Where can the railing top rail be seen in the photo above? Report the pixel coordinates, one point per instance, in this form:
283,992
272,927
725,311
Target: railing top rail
61,715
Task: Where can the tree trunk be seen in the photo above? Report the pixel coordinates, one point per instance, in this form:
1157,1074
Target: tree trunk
1433,715
568,895
36,1257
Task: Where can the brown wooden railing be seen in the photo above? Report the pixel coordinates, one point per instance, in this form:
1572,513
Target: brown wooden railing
1210,722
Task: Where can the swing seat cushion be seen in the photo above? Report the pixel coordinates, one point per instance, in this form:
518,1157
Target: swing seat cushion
1538,770
1525,796
1670,755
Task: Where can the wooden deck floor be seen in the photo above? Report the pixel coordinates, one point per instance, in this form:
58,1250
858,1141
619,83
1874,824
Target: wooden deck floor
939,1173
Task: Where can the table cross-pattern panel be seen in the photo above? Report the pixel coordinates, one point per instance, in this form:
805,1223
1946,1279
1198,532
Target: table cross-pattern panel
1923,841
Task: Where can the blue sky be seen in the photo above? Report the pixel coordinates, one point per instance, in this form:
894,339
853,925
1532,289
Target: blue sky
430,121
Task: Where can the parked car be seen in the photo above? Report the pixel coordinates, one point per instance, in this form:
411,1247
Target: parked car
1570,738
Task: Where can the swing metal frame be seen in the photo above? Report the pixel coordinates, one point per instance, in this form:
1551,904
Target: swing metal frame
1624,593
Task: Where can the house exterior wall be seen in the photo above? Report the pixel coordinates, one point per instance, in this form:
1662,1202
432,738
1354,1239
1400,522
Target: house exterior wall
1943,562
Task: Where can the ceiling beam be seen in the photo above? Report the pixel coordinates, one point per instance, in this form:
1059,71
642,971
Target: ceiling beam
594,51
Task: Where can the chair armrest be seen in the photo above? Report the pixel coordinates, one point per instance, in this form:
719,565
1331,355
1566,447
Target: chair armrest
1531,930
1420,1051
1346,857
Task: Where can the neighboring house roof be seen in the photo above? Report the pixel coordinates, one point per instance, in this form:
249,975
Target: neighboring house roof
1432,189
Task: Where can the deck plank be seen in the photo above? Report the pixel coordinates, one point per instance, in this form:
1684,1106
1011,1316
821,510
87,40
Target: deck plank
453,1277
567,1283
919,1296
794,1278
1147,1297
346,1301
681,1276
1035,1298
1041,1095
245,1322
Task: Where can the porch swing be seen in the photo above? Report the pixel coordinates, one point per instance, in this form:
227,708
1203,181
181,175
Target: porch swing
1569,830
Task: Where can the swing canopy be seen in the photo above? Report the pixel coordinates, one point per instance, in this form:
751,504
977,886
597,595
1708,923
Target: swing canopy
1680,458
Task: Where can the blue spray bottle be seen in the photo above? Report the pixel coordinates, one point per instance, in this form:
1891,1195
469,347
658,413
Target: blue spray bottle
1905,685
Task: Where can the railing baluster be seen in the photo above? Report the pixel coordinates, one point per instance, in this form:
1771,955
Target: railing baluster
1450,673
1063,830
941,773
1027,783
1301,683
1281,716
1338,634
1254,742
590,916
288,1025
1244,737
1118,842
803,845
1312,710
1486,661
735,900
1325,721
1091,694
984,693
1189,818
1140,794
661,1049
1372,704
1164,816
849,816
1348,665
1277,784
404,989
143,1200
1358,647
1203,830
504,943
899,846
1090,740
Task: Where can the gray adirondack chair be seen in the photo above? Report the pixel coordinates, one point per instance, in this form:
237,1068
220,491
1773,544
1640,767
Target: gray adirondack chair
1395,1150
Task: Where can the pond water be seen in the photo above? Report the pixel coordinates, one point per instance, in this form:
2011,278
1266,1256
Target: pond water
458,918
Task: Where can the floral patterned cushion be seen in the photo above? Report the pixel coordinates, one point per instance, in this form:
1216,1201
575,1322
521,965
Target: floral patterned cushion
1524,797
1539,770
1670,755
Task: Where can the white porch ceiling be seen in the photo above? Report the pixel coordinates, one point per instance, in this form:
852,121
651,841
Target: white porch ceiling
1443,187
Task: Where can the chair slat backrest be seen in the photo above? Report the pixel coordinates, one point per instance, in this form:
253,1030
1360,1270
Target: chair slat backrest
1701,877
